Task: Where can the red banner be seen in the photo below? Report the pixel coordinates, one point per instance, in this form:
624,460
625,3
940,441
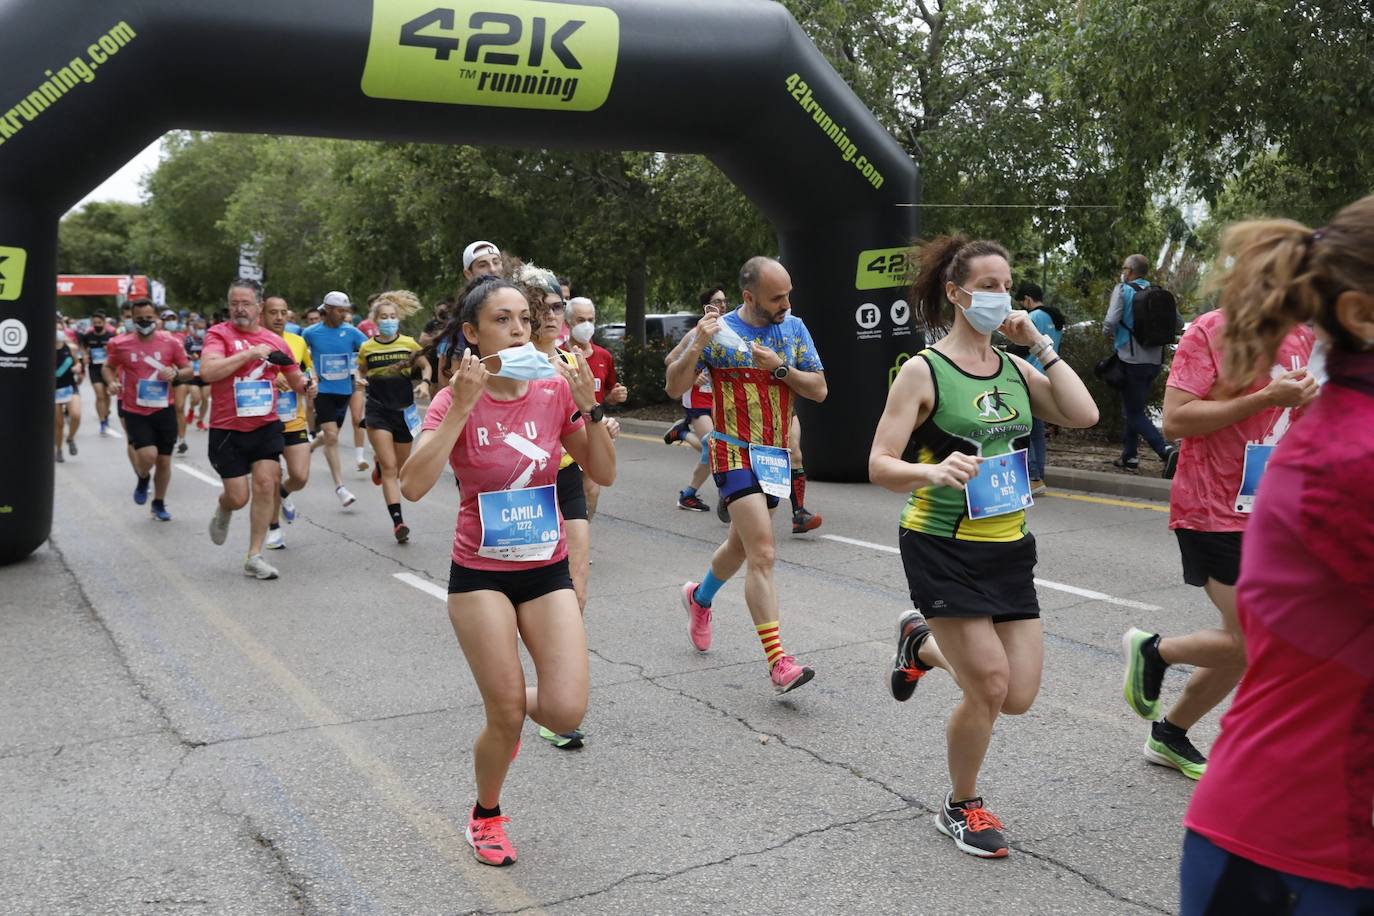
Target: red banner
102,285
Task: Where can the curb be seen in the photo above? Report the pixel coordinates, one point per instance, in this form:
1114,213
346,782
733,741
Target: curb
1102,483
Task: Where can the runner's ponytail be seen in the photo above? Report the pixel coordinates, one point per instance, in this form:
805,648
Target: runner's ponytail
939,261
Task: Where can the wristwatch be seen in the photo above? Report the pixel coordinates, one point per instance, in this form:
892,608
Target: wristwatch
596,414
780,373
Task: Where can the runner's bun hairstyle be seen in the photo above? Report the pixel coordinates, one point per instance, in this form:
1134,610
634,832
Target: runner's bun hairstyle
406,302
938,261
1277,273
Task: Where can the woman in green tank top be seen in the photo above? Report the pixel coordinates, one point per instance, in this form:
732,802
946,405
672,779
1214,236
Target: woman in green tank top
953,437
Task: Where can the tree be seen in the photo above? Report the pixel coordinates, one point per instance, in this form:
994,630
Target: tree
96,238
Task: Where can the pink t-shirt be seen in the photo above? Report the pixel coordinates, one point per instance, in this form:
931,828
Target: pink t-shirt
1290,781
1208,480
225,340
138,359
507,445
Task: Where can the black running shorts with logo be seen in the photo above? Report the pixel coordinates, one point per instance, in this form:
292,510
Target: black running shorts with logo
331,408
519,585
572,496
954,578
232,453
154,429
1209,555
375,416
295,437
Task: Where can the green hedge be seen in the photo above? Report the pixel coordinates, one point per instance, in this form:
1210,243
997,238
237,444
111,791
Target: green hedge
1082,348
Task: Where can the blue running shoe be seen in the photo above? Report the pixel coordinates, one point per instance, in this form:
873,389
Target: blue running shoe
288,509
160,512
141,490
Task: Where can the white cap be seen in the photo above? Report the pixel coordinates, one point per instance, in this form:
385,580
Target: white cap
476,250
338,300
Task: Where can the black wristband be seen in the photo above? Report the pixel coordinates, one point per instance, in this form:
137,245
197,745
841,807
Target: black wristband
1057,359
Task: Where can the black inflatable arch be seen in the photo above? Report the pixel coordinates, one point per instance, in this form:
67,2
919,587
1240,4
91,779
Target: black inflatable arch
84,84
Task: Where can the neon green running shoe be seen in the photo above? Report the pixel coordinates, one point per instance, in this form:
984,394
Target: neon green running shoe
1175,751
569,742
1143,674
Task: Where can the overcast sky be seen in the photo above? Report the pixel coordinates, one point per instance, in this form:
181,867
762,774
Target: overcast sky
124,184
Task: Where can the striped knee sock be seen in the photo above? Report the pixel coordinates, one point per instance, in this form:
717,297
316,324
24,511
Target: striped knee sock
772,642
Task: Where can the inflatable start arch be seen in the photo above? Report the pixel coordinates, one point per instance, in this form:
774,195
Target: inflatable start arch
736,80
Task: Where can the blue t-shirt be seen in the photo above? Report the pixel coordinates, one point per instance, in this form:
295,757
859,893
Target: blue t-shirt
293,328
790,340
1045,325
334,352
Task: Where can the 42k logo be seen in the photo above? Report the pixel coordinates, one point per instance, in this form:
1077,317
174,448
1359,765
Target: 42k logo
509,32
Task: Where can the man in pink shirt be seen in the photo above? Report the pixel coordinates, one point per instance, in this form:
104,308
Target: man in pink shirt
240,362
141,368
1227,437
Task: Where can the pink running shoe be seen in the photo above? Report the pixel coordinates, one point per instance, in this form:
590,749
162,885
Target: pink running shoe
698,618
788,675
487,837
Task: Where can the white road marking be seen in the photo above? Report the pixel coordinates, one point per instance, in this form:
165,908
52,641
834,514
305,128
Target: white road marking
1043,583
424,585
199,475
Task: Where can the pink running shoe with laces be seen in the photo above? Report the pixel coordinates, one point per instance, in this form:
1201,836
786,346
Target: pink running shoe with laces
487,837
698,618
788,675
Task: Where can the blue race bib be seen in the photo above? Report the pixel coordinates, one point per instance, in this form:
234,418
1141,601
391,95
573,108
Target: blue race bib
1256,460
412,416
1001,486
519,525
286,406
152,392
773,468
64,394
335,367
253,397
97,354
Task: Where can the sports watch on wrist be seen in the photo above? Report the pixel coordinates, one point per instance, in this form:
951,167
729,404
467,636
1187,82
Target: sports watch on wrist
596,414
780,373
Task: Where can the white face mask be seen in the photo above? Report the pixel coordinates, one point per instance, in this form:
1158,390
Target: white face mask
1316,363
583,331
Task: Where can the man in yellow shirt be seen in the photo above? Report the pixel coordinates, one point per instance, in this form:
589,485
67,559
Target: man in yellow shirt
291,412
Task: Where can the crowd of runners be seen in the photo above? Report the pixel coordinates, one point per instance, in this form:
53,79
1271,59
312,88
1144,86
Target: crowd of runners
1276,385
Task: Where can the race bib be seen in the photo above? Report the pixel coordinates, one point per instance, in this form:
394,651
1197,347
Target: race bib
1001,486
151,392
596,385
335,367
773,468
64,394
1256,460
253,397
413,418
97,354
195,366
287,405
519,525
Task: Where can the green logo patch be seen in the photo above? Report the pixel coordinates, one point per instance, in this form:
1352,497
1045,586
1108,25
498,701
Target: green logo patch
882,268
500,53
12,262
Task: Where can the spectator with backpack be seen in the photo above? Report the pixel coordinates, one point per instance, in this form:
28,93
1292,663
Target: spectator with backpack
1142,319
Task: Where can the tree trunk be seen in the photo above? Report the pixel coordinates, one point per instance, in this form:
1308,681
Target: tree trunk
636,289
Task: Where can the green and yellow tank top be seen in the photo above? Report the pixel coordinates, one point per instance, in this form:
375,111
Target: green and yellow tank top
389,371
984,416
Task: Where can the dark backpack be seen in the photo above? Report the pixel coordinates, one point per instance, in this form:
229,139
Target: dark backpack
1154,316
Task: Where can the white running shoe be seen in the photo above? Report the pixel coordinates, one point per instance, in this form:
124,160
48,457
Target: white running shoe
258,568
275,540
288,509
219,525
345,497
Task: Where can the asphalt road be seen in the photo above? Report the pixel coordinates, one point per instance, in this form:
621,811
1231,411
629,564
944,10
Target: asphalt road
175,736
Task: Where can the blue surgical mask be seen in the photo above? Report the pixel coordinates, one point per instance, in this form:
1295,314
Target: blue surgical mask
171,326
523,363
389,327
988,310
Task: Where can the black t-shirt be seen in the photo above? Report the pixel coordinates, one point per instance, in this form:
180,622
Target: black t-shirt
95,343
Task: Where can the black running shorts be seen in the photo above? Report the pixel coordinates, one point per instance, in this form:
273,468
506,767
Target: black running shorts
153,429
1209,555
953,578
331,408
233,454
572,496
375,416
520,586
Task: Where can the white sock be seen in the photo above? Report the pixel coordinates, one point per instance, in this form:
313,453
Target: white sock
359,452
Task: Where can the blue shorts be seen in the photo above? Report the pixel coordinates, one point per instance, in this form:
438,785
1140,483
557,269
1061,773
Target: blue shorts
691,413
1214,881
740,482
